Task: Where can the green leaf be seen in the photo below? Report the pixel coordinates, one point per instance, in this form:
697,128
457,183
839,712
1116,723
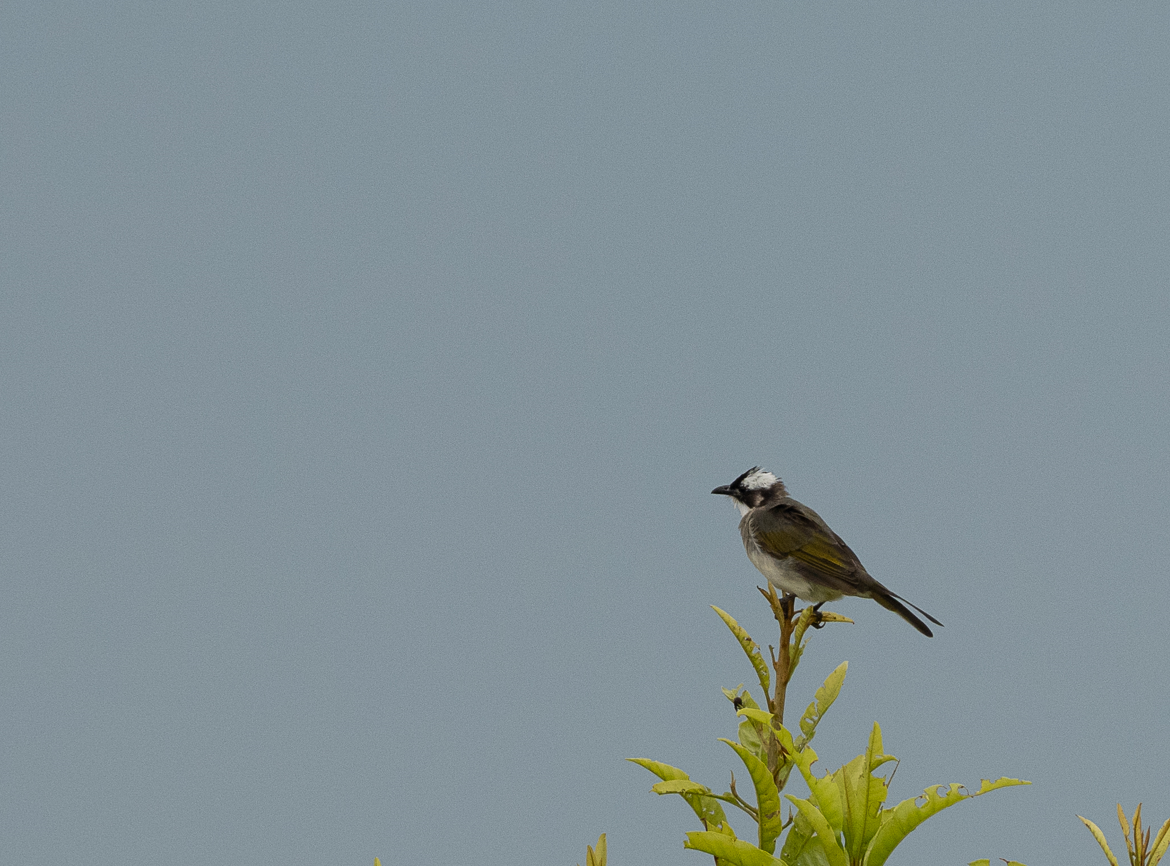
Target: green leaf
745,697
680,786
1100,837
801,845
767,797
707,808
659,769
596,858
825,793
756,715
798,639
729,850
824,698
862,796
751,739
834,854
750,649
1161,844
899,822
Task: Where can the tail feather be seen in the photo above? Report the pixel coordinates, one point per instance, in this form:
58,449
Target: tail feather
898,605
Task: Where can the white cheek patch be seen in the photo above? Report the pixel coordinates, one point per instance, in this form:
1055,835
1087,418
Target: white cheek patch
759,480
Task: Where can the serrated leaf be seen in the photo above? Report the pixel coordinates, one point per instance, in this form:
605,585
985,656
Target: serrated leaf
767,797
899,822
1100,837
823,699
750,648
986,785
729,850
834,854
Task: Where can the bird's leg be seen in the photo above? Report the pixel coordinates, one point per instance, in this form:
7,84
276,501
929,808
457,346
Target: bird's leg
817,621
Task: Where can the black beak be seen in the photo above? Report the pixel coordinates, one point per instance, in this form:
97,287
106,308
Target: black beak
722,491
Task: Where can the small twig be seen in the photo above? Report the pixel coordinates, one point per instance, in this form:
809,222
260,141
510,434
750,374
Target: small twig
897,764
741,802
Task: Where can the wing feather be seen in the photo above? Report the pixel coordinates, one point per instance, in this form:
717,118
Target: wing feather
790,529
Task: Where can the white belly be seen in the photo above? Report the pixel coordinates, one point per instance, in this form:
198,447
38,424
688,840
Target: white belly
787,579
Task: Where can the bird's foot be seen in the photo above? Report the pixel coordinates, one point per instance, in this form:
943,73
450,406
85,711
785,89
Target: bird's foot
818,621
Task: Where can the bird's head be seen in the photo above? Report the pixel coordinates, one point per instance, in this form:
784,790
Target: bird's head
754,488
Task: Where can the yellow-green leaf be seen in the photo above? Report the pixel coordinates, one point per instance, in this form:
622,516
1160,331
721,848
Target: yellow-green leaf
1100,837
834,854
744,696
825,793
596,857
756,715
862,796
824,698
750,737
1161,844
801,845
767,797
659,769
680,786
897,823
707,808
750,649
729,850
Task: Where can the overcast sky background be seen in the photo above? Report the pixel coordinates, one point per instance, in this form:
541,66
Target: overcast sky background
366,367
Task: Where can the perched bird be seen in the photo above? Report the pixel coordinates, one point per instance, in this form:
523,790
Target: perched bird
798,553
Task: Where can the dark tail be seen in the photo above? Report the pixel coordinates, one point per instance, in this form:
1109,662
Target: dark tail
898,605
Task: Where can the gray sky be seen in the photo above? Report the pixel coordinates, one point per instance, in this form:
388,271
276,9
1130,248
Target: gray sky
366,368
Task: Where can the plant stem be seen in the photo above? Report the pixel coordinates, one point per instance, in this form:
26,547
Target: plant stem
784,611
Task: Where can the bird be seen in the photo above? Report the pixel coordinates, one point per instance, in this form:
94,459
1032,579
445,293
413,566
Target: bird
797,551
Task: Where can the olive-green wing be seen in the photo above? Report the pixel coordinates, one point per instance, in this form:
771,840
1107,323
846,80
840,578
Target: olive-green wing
785,530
